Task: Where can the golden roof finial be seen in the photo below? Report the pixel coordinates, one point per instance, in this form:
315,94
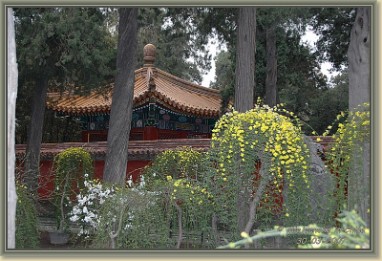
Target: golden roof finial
149,52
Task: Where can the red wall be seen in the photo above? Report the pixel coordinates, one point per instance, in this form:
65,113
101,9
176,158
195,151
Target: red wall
134,168
46,179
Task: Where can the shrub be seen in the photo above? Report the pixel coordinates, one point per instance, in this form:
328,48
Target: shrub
132,219
179,176
27,235
85,212
260,155
185,163
346,157
351,233
70,168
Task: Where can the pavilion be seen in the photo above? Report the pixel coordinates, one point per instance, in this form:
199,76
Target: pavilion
168,113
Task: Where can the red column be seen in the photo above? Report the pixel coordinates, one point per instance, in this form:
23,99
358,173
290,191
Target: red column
150,133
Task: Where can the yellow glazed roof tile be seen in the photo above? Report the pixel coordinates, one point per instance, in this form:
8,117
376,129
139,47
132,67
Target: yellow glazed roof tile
150,82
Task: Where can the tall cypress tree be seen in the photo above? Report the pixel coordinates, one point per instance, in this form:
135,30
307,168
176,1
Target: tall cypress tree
58,47
122,100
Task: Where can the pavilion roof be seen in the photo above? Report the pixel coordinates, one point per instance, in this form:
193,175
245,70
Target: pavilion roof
150,84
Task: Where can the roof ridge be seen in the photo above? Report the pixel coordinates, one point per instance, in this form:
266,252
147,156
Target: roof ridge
150,82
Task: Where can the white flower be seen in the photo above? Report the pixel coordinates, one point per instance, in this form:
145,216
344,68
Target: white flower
87,219
86,175
142,183
85,210
74,218
82,201
127,226
76,210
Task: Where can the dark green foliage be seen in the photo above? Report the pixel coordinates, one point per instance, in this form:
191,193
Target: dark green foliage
67,45
64,46
56,128
174,34
27,235
224,77
328,103
300,83
333,25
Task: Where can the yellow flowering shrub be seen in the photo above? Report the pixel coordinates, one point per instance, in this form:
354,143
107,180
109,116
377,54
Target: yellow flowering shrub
72,163
178,174
263,143
184,162
347,148
70,167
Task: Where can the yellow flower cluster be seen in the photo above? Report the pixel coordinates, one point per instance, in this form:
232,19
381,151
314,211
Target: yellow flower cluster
265,134
185,191
350,134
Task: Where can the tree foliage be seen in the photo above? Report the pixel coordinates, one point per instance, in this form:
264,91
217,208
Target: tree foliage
180,47
56,47
299,80
333,25
66,45
327,104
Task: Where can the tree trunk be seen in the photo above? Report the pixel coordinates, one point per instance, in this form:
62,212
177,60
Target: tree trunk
359,92
122,100
244,91
12,93
32,161
245,59
359,59
271,60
